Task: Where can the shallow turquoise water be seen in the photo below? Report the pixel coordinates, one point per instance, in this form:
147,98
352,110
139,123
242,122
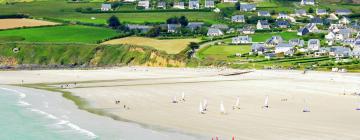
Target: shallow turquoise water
20,122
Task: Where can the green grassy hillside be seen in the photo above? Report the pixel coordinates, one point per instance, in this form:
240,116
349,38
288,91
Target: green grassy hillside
83,55
72,33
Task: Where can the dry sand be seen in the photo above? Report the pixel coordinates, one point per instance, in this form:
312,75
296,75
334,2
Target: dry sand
149,92
16,23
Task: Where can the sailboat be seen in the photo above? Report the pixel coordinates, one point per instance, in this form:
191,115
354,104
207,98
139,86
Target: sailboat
266,104
237,103
205,105
222,108
201,109
306,108
174,100
358,108
183,96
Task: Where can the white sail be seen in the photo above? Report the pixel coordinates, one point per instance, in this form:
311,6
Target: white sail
205,104
222,108
201,110
306,108
358,108
183,96
266,104
174,99
237,104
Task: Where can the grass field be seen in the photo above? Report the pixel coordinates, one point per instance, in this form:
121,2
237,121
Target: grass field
171,46
75,33
223,51
16,23
66,11
262,37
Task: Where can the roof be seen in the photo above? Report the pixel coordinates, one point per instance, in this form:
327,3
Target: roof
214,31
284,45
173,26
321,11
161,4
264,13
314,41
247,6
300,11
238,17
220,26
137,26
209,3
263,22
194,25
106,6
317,20
282,23
343,11
340,50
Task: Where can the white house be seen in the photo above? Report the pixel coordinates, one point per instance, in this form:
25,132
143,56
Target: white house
307,2
273,41
241,40
238,18
179,5
264,13
194,4
230,1
105,7
209,4
300,12
144,3
313,44
344,21
282,15
247,7
214,32
262,24
321,12
285,48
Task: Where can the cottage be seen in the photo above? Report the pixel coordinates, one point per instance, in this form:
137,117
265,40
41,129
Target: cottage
179,5
356,52
214,32
194,4
343,12
144,4
238,18
344,21
300,12
172,28
161,5
247,30
273,41
258,48
297,42
332,16
141,28
129,0
321,12
312,27
241,40
330,36
339,52
105,7
285,48
343,34
307,2
262,24
349,41
264,13
209,4
220,26
357,43
317,21
313,44
282,15
195,25
323,51
303,31
247,7
282,23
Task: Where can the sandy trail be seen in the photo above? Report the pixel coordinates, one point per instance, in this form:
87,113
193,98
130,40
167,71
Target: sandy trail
148,93
16,23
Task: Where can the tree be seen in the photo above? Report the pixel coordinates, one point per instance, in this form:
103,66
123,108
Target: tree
114,22
194,45
237,5
154,32
172,20
183,21
311,10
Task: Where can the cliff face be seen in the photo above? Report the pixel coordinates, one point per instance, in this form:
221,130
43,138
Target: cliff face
80,55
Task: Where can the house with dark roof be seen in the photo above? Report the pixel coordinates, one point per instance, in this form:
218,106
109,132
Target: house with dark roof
247,7
264,13
105,7
317,20
161,5
262,24
141,28
307,2
241,40
273,41
314,44
355,52
173,28
282,23
194,4
297,42
238,18
220,26
303,31
312,27
321,12
195,25
343,12
258,48
214,32
300,12
247,30
209,4
340,52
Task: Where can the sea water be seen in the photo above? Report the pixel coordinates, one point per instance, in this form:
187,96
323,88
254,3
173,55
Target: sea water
20,121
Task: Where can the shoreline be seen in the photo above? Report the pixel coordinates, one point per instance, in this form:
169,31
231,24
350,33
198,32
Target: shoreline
148,91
